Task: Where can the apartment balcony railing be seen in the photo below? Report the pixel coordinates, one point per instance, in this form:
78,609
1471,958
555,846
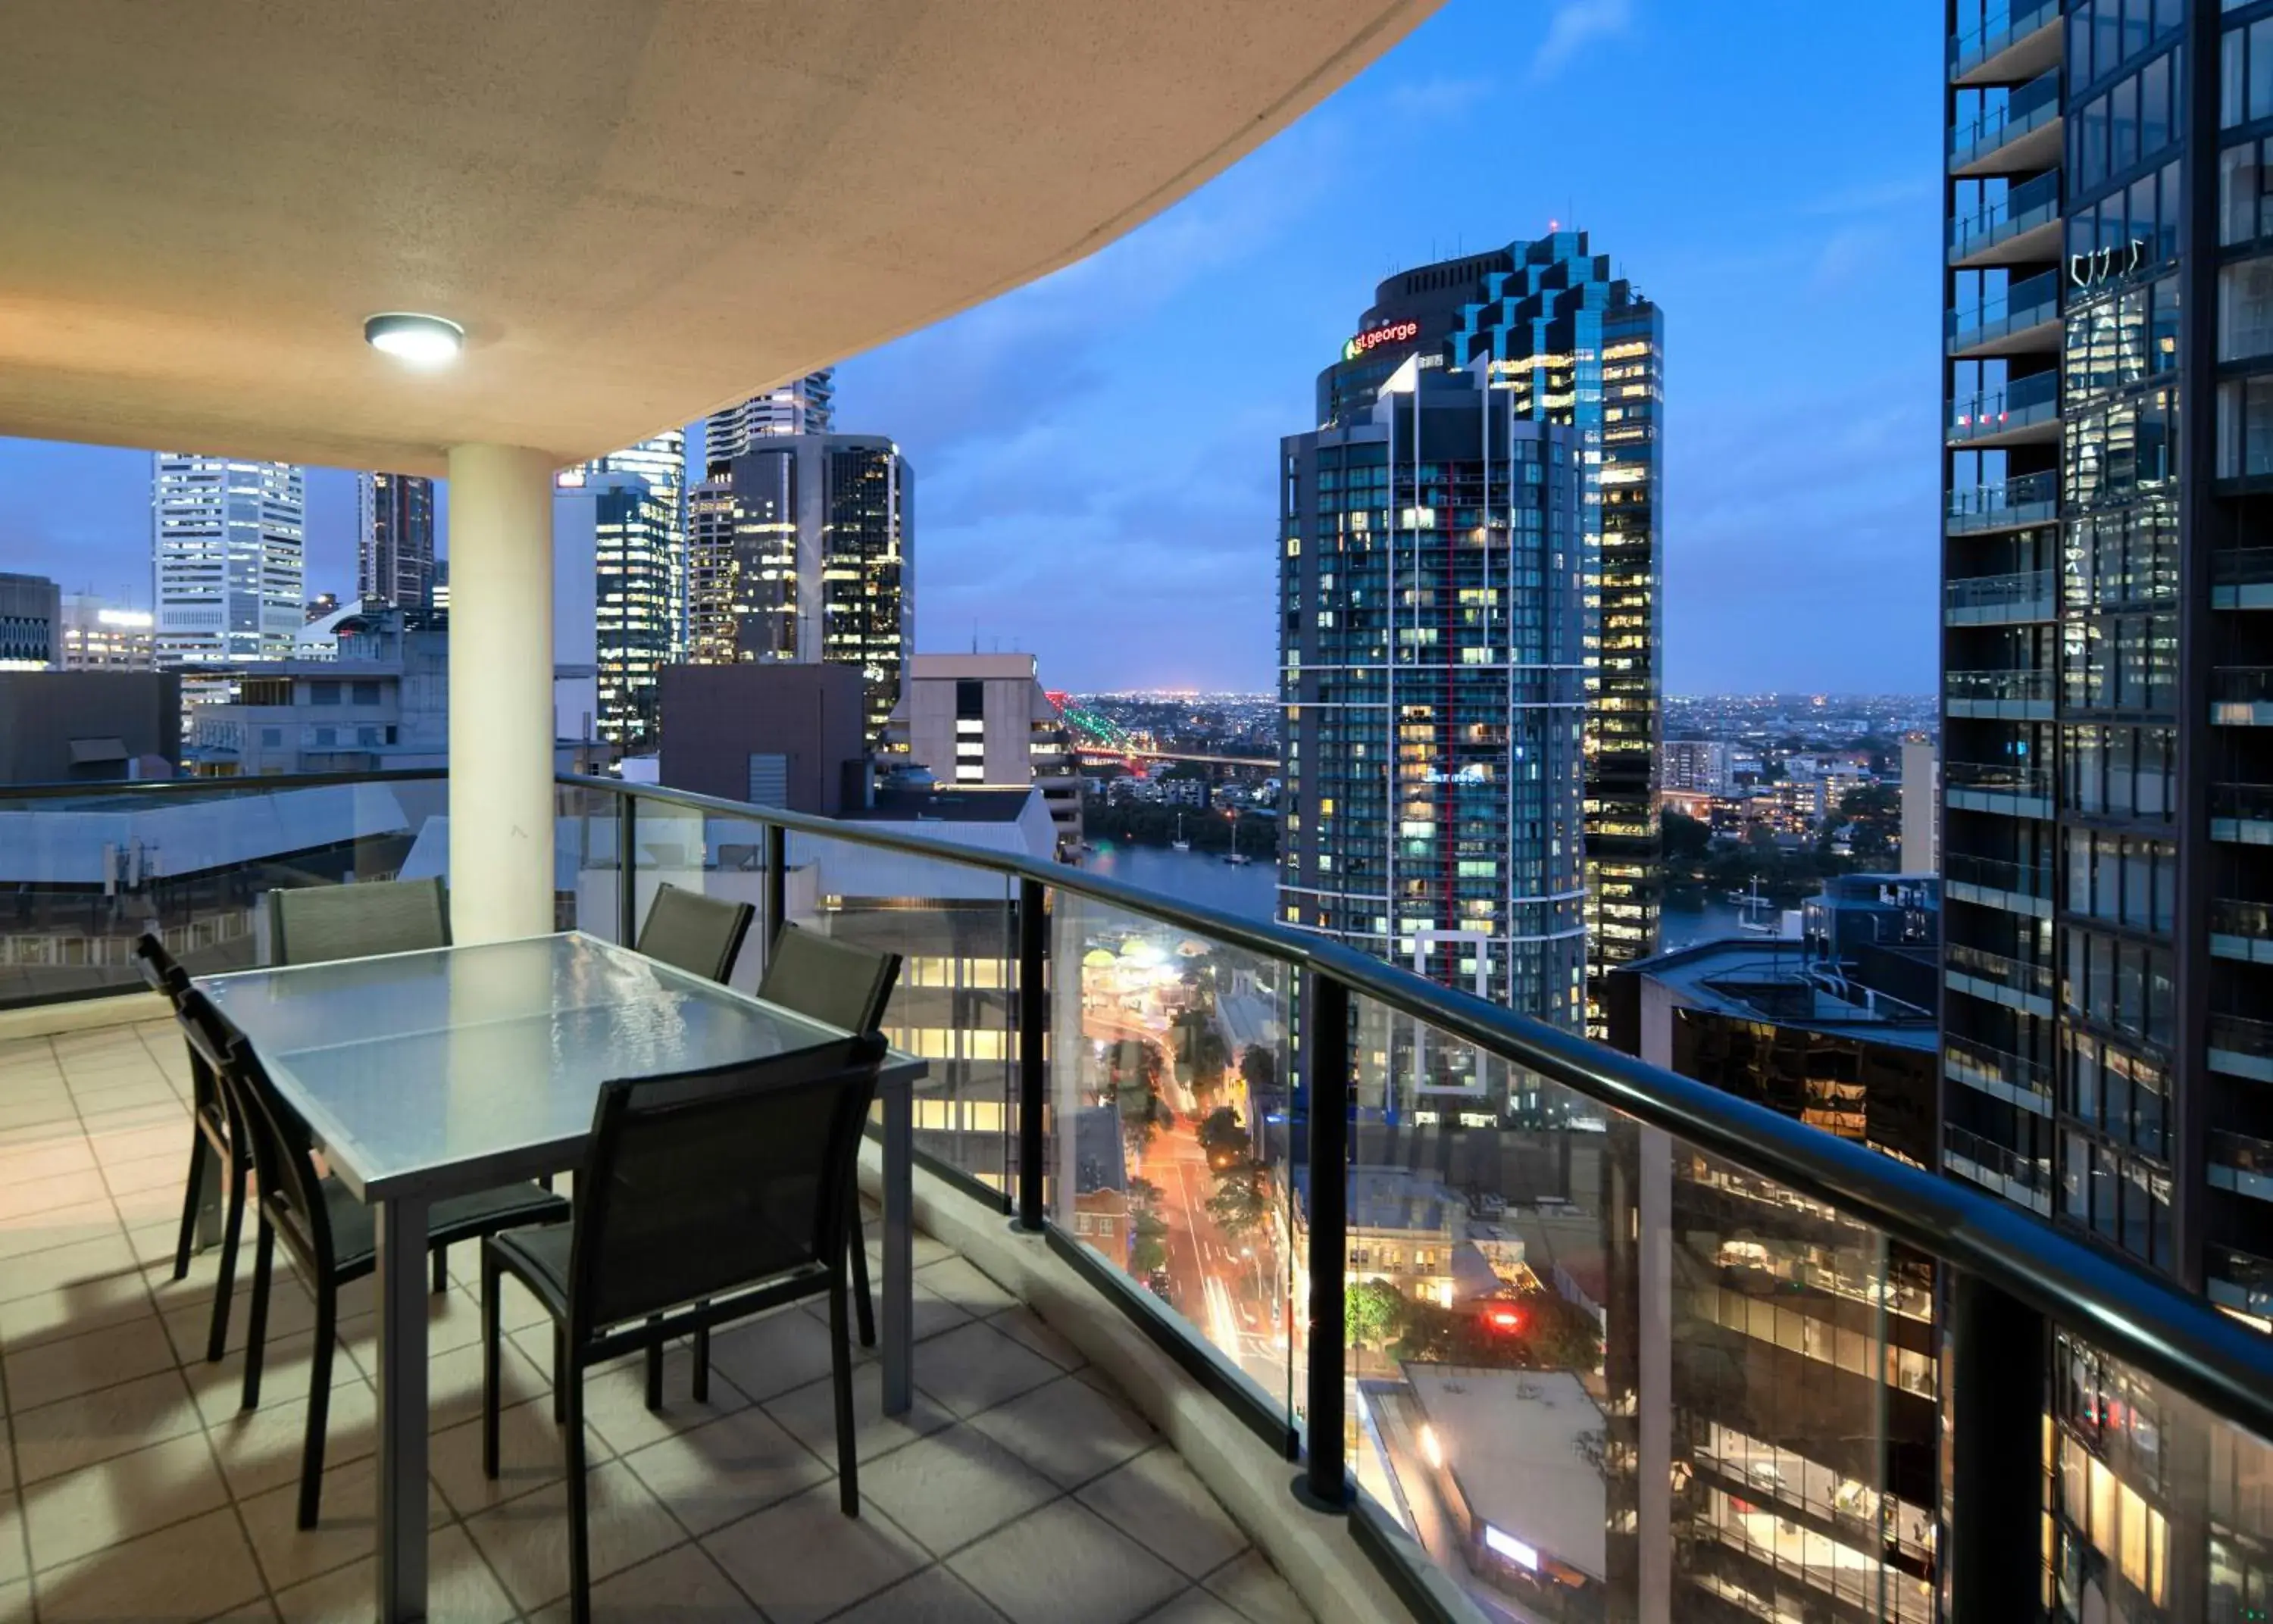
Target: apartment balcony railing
2236,809
2007,26
2026,110
2242,1165
2026,887
2241,695
2032,498
2003,413
2242,929
1080,1029
1999,969
2241,578
2024,306
1997,786
2010,1077
1999,600
2242,1046
2013,695
1997,1167
2025,208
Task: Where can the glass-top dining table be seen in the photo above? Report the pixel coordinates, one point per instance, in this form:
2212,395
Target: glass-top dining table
434,1073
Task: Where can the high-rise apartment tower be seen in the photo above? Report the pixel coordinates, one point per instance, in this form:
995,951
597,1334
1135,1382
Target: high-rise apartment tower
804,405
2107,694
1432,593
394,563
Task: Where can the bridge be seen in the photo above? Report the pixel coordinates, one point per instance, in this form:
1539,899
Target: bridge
1099,738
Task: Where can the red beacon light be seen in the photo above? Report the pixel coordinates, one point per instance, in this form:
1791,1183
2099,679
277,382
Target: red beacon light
1502,1318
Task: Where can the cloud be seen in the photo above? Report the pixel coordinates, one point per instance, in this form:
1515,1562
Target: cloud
1439,96
1575,25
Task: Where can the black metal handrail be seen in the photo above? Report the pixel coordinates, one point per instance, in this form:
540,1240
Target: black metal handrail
2164,1332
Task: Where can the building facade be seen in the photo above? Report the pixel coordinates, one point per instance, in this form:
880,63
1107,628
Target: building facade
1698,766
1793,1352
1432,594
1573,345
801,552
395,559
660,462
804,405
2105,834
98,636
227,551
31,622
984,720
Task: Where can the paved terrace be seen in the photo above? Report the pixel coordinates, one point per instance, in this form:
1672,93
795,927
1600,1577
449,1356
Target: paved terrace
1022,1487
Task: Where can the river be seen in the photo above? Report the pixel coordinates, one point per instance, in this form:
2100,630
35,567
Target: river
1252,892
1249,890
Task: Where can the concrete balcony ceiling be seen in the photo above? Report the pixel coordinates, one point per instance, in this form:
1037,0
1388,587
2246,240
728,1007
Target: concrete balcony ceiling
638,209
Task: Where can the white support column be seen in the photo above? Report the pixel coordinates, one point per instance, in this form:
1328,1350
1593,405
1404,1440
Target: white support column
501,692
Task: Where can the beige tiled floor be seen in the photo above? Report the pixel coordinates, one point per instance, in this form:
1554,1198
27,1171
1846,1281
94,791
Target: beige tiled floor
133,1488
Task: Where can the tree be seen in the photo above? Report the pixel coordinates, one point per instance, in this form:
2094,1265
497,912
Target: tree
1148,1251
1537,1330
1372,1310
1687,838
1222,1137
1242,1203
1259,1066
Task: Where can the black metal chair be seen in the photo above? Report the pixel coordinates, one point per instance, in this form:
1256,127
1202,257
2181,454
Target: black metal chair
694,932
704,1197
314,925
329,1233
308,924
212,1133
847,986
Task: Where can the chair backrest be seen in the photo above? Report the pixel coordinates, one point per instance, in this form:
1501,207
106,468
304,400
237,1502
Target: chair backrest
308,924
282,1152
702,1183
830,980
162,972
694,932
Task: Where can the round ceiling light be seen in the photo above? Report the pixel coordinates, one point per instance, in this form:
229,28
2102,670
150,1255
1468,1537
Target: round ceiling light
421,341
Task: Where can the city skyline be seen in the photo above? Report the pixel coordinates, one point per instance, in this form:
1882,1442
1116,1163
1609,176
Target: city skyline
1020,411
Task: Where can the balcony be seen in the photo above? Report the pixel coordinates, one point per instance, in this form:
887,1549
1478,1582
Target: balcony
2241,1046
2241,578
2021,228
2241,696
1991,882
2241,930
1097,1383
2030,499
1996,1168
2242,1165
2025,412
2023,319
2242,813
2019,599
2018,42
2020,137
2012,1078
2005,787
1999,979
1998,696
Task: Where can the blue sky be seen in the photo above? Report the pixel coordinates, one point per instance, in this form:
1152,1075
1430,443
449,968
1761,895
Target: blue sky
1095,452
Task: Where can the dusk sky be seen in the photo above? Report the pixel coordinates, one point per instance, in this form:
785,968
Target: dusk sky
1095,453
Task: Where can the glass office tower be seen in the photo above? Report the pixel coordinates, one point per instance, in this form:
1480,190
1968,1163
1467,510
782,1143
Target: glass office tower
2107,689
227,542
1572,344
661,462
1432,583
800,551
394,541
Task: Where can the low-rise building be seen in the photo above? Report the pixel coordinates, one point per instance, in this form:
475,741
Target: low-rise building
31,617
100,636
984,720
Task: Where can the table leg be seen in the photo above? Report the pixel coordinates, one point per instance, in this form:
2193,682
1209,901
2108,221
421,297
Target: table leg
898,1272
402,1410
